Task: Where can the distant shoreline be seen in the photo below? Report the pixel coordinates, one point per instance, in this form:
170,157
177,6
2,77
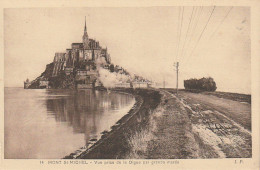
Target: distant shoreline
168,89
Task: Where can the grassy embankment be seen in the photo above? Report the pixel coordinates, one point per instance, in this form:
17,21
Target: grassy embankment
115,143
168,135
157,127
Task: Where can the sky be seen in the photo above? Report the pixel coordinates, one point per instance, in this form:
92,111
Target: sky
206,41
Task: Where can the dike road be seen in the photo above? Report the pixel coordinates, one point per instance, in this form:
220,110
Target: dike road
162,125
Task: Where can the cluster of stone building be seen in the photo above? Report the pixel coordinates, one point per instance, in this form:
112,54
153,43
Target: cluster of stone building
84,57
81,59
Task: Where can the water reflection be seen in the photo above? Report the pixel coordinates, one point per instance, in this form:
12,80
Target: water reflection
54,123
87,111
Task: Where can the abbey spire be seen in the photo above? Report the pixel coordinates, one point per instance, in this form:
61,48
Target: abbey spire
85,29
85,37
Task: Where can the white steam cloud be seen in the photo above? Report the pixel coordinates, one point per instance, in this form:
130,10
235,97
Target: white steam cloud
109,80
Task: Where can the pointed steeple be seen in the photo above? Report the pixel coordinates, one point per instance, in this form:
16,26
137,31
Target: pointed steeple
85,37
85,29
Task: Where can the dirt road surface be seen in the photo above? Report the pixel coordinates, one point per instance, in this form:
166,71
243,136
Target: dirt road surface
221,124
240,112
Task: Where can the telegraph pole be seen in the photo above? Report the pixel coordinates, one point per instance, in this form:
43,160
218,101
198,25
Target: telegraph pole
177,75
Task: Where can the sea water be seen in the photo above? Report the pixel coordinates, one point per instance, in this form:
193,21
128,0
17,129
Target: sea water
48,123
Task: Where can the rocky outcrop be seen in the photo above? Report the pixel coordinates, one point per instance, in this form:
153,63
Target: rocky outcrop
35,84
48,71
62,81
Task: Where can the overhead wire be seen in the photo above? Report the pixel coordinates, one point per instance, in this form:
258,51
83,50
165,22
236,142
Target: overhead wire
191,17
194,26
221,23
201,34
217,28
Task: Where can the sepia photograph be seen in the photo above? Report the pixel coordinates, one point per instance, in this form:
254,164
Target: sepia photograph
127,83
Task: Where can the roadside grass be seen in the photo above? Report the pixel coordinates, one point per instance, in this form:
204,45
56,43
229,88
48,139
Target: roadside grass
167,135
138,142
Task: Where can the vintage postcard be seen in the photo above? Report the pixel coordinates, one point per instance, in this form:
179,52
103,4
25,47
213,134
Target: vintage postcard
119,85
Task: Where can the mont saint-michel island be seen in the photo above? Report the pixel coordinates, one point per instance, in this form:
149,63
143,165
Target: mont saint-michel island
85,65
156,88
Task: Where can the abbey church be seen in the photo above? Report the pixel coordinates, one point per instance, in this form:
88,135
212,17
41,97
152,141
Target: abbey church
86,52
